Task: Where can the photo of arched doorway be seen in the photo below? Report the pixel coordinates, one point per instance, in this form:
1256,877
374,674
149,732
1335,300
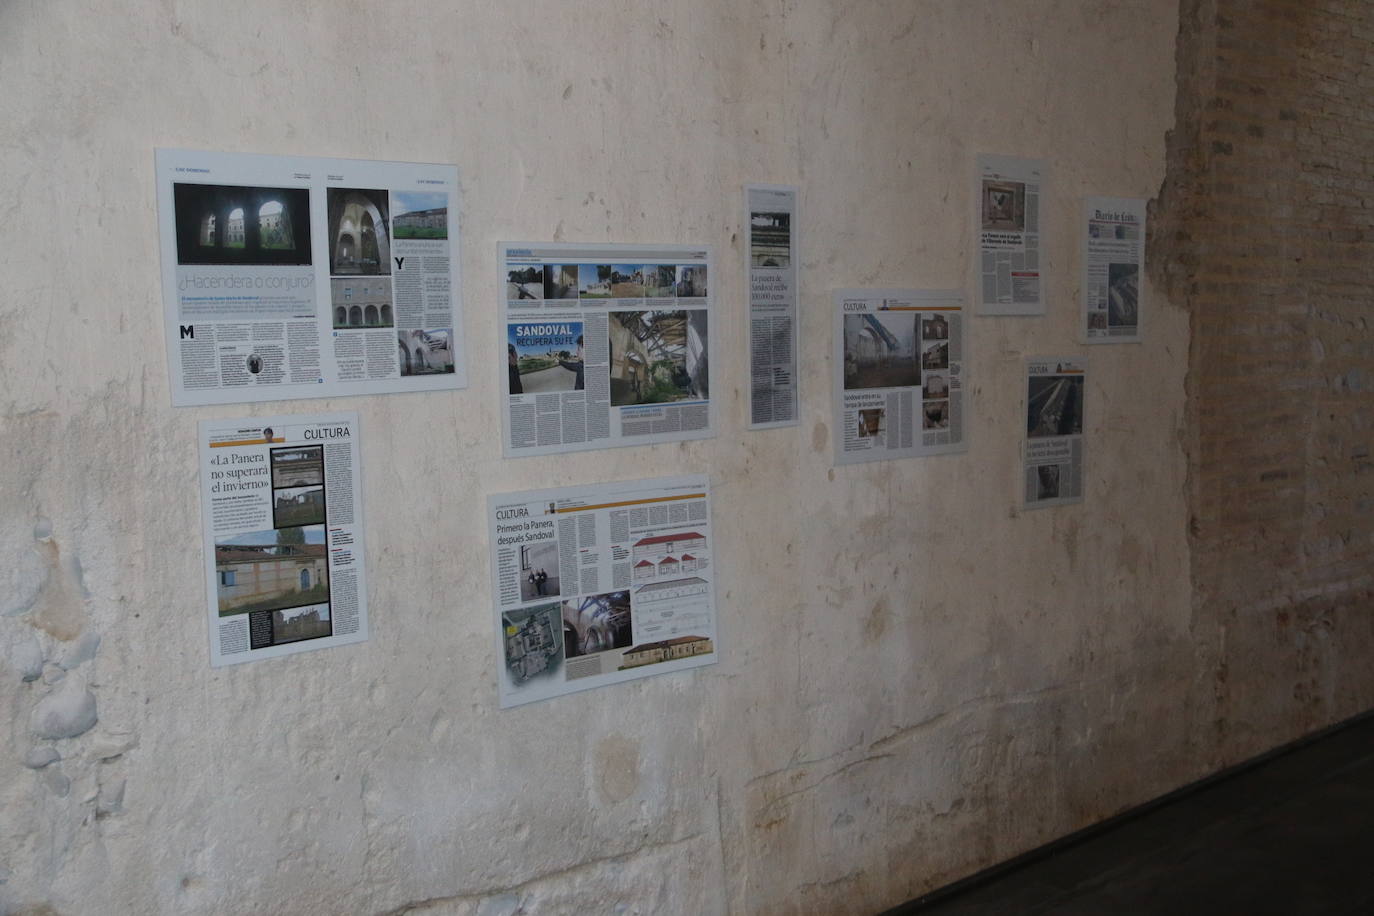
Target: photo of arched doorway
359,232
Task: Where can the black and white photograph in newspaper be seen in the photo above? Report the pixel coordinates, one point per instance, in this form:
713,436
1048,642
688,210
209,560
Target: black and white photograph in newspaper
535,562
1054,406
770,239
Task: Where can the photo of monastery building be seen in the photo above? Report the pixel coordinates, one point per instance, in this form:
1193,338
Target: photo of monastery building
665,591
666,651
662,544
297,467
361,302
298,506
265,577
296,624
412,225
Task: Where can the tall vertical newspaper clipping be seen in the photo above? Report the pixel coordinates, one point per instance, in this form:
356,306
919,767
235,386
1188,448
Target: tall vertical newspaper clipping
293,277
605,345
1052,454
1113,257
282,514
772,264
1009,192
595,585
899,373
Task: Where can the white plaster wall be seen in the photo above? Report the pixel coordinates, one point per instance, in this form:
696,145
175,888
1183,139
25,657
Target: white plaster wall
916,680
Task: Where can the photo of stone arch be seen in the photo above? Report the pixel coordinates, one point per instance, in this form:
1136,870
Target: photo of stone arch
359,232
425,352
242,225
361,302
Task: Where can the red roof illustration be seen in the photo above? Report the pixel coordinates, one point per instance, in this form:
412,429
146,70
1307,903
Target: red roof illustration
643,563
666,560
687,556
668,538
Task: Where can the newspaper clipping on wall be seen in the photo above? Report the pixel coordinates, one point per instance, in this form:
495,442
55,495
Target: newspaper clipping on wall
1009,194
1052,454
282,514
773,260
292,277
595,585
899,373
606,345
1113,259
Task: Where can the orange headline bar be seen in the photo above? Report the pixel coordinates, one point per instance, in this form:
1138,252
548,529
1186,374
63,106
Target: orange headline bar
245,442
635,502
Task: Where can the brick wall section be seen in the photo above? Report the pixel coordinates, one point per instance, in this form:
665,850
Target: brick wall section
1264,231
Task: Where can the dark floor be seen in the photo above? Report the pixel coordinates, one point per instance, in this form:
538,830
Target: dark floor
1292,835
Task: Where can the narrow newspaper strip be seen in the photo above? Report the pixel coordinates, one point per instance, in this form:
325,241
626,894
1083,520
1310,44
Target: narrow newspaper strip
1052,453
772,266
282,518
595,585
1113,231
605,345
899,377
294,277
1008,194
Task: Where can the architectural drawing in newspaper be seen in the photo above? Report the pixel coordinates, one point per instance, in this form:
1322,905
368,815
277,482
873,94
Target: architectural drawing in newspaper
604,346
281,507
601,584
771,265
1113,231
1052,453
900,377
1008,195
291,277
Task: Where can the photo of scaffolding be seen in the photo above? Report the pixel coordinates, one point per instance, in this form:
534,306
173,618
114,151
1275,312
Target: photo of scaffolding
880,351
658,357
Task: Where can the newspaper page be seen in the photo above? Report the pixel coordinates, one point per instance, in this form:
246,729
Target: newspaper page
595,585
1009,193
291,277
772,266
1113,258
606,345
1052,455
282,514
899,373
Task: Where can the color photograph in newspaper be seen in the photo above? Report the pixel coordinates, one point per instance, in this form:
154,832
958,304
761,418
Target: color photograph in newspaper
293,277
1113,238
1052,453
605,345
597,585
899,373
281,509
1008,192
771,274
